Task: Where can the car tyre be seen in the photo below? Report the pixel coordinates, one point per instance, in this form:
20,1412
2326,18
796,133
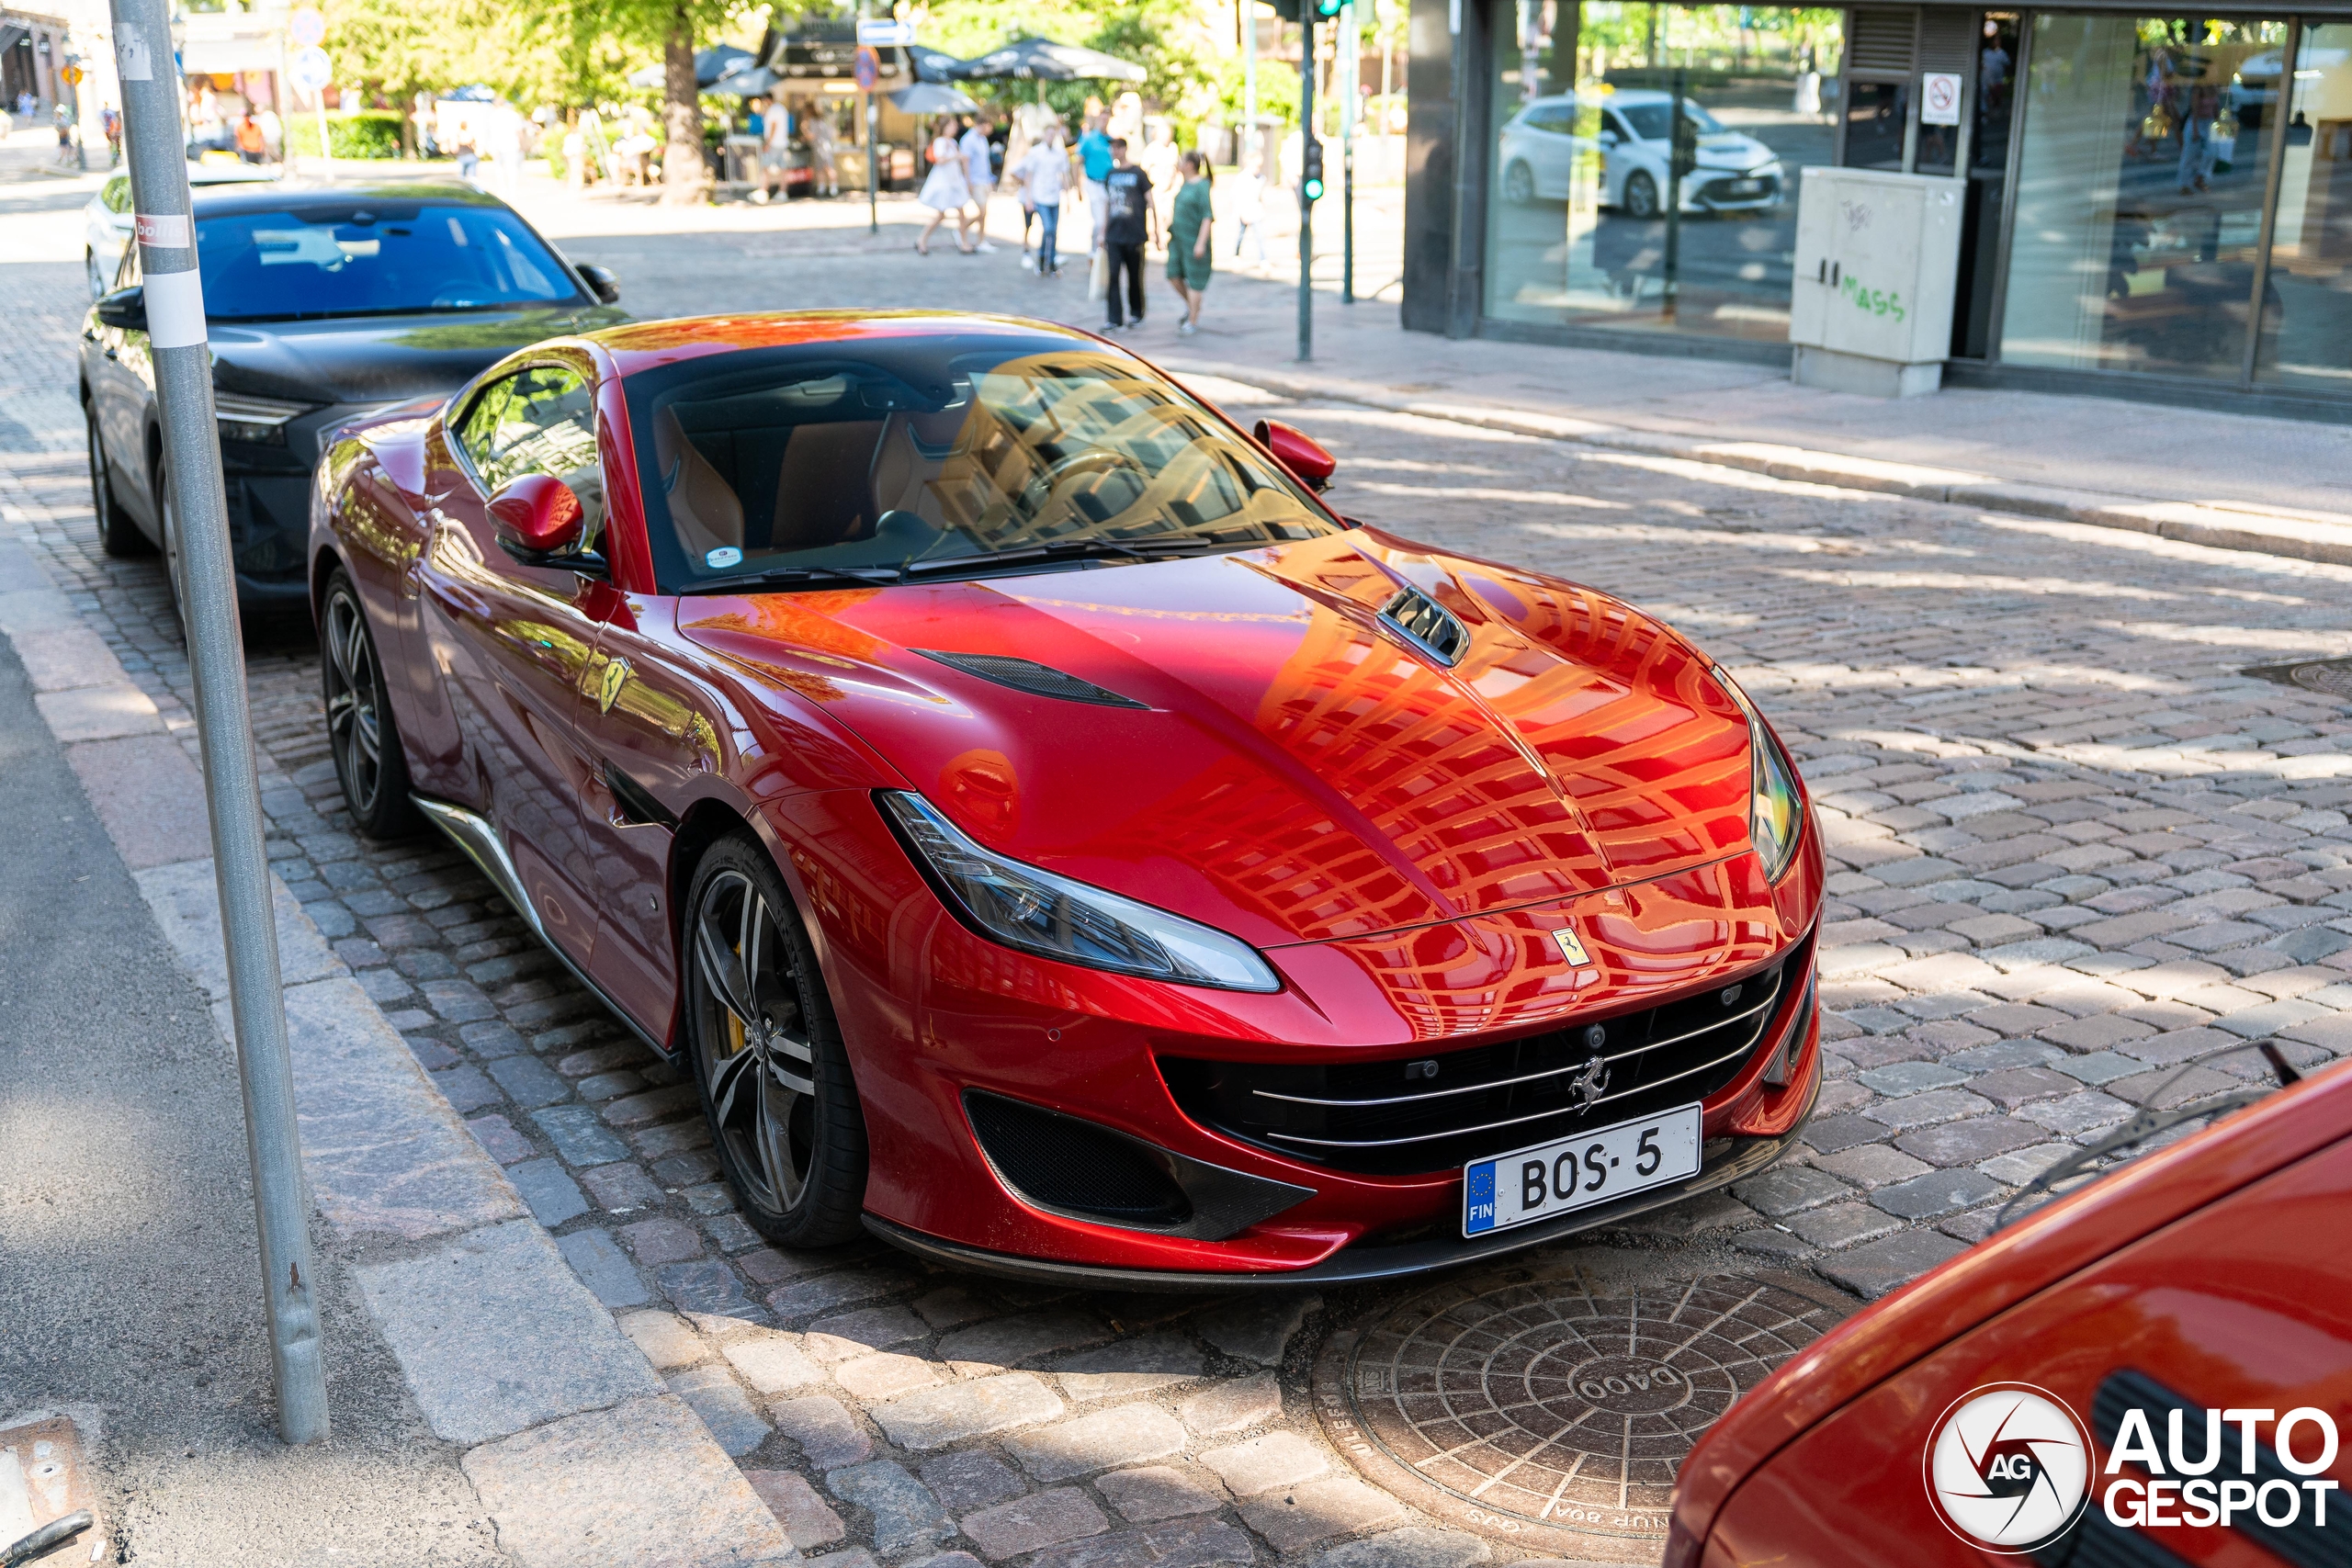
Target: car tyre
1640,198
362,735
1519,184
118,534
168,526
767,1052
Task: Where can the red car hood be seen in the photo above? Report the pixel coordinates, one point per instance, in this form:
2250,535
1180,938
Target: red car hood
1297,773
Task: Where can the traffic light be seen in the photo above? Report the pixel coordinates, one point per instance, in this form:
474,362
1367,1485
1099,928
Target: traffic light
1327,9
1312,169
1284,10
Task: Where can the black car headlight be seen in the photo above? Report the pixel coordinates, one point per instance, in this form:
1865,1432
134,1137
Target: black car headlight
1034,911
261,420
1775,805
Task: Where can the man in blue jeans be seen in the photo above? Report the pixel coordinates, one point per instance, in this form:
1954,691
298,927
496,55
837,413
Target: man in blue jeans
1129,222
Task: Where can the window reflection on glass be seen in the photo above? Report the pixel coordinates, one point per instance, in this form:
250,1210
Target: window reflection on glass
1996,69
2140,193
2307,325
1875,114
1584,112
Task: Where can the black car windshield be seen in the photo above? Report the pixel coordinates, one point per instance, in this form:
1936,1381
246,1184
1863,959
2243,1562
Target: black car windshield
938,455
1648,120
377,259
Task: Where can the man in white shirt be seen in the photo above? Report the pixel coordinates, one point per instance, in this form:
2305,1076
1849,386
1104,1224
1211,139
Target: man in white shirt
979,174
1043,174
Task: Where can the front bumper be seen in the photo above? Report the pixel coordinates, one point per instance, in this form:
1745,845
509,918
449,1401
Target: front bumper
1724,1161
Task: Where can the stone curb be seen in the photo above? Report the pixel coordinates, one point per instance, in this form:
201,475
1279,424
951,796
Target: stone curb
2312,538
580,1455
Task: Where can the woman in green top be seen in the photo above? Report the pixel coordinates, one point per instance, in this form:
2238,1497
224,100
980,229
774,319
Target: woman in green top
1188,242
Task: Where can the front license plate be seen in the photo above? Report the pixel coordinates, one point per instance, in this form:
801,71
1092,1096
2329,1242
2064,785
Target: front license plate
1576,1173
1746,187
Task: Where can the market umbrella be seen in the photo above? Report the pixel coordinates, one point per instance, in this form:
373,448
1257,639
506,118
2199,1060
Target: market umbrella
930,97
933,65
1042,60
754,81
710,64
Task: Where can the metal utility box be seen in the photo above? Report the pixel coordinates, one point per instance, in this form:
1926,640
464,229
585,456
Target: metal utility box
1877,259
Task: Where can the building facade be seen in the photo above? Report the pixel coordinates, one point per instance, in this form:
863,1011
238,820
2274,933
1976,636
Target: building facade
2159,205
33,49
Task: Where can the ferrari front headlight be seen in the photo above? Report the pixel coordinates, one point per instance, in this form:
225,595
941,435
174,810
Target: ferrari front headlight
1036,911
1775,805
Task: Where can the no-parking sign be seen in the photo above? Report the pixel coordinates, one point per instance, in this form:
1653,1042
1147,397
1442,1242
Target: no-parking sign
867,71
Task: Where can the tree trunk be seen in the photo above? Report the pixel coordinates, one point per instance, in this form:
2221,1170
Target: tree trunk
685,177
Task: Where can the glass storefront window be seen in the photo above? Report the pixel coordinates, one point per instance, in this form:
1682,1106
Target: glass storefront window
2141,185
2307,320
1583,173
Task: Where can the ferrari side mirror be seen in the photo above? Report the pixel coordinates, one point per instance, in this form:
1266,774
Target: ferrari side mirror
1300,453
125,309
538,521
602,282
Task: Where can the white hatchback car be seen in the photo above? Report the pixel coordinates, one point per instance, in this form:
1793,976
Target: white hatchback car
1632,131
107,220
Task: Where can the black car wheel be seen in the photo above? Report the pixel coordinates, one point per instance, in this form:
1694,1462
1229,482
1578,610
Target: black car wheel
368,762
118,534
1519,184
167,514
1641,195
776,1082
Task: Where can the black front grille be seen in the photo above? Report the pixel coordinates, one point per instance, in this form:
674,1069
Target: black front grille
1062,1164
1415,1114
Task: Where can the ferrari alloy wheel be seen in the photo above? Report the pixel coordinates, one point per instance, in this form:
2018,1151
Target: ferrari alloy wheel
1641,195
368,762
118,534
776,1082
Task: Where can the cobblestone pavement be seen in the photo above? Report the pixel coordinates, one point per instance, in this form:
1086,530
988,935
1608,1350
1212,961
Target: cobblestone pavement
2080,864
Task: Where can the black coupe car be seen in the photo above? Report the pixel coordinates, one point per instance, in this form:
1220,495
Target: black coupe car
323,305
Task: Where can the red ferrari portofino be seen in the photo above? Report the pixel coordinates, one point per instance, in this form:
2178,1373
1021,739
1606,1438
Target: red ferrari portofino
1059,843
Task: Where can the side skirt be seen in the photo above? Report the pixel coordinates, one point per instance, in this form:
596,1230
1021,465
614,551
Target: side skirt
474,833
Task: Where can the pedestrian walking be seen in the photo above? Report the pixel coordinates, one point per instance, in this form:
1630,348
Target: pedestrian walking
1189,251
979,177
1094,168
1250,209
110,123
1128,225
253,146
944,190
824,169
1042,172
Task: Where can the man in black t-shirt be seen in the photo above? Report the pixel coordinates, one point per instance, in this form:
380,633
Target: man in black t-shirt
1127,193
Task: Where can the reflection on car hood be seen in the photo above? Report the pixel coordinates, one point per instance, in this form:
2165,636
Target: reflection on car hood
377,358
1296,773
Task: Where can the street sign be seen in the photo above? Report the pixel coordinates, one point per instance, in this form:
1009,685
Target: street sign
71,76
310,70
883,30
306,27
1939,98
868,69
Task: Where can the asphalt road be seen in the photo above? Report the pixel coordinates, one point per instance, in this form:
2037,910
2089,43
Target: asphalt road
129,1288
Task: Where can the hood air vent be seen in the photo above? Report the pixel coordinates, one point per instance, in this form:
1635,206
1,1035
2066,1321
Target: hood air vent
1427,625
1037,680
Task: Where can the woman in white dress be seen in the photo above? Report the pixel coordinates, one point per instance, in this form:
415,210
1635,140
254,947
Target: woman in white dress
945,189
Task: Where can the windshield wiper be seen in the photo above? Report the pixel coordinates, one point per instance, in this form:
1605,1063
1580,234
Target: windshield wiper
797,577
1067,550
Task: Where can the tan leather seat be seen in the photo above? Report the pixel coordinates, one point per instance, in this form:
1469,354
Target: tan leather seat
823,494
703,509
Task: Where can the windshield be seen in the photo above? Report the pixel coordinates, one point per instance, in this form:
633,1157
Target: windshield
1648,120
935,453
384,258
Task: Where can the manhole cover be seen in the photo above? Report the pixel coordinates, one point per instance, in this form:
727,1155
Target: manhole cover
1549,1410
2329,677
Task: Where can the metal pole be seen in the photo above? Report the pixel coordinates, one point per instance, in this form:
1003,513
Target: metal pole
182,369
873,166
1679,83
1349,45
1305,202
1249,93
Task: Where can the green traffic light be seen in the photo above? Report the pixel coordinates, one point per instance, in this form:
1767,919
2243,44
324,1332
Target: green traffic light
1315,190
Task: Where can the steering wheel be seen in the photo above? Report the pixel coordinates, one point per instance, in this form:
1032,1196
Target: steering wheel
1094,459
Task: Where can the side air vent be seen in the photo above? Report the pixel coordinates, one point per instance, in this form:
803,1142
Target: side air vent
1066,1165
1427,625
1884,39
1028,675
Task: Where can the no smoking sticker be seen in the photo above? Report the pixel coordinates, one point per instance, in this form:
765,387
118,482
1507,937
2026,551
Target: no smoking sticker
1939,98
